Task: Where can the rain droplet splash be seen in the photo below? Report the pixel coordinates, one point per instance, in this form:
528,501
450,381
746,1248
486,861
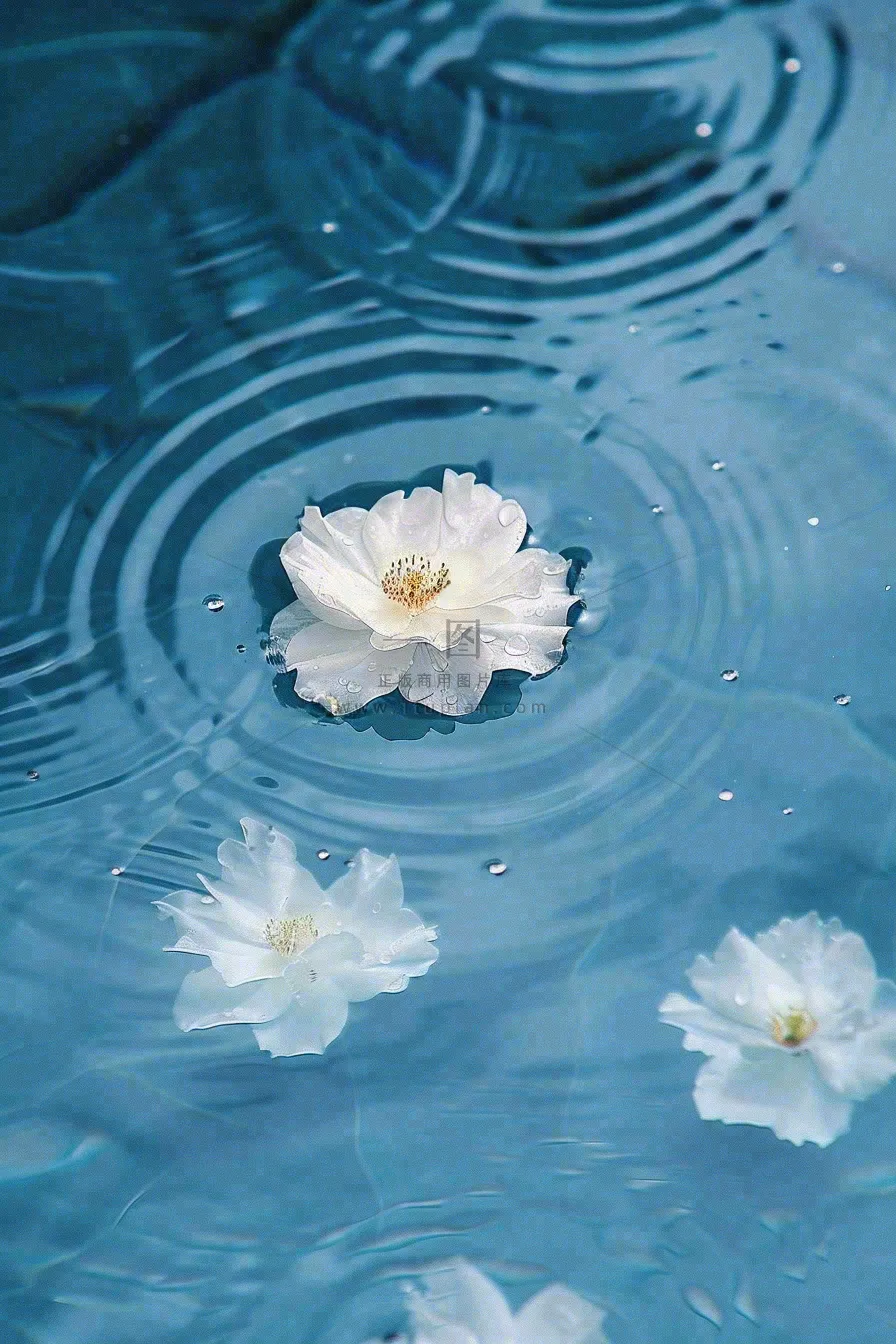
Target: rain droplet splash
214,602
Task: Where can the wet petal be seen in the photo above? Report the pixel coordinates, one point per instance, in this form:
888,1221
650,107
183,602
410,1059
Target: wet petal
342,670
400,525
782,1091
832,962
234,957
308,1025
460,1304
204,1000
559,1316
705,1029
743,983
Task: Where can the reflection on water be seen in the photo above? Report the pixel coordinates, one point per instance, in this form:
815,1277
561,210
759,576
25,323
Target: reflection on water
624,262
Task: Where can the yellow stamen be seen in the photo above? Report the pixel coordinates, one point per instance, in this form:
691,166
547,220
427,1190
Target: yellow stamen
793,1027
290,936
413,582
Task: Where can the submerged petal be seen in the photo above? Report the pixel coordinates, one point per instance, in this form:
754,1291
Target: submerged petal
204,1000
784,1092
309,1023
559,1316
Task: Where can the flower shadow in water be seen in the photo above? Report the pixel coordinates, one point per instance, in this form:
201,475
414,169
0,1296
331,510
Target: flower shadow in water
392,716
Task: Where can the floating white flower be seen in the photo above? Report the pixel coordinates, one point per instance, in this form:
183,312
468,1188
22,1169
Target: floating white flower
286,957
459,1305
429,593
797,1026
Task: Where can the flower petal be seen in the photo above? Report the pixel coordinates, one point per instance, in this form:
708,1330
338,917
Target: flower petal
864,1060
234,957
263,872
450,684
325,575
459,1304
399,526
397,944
559,1316
309,1023
478,519
204,1000
743,983
782,1091
824,957
341,670
705,1029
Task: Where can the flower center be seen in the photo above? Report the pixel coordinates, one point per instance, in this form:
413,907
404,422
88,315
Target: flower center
290,936
794,1027
413,582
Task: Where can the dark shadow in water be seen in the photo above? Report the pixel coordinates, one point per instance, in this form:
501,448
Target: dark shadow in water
391,716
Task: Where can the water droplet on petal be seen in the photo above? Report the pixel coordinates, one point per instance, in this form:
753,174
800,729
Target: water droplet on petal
497,868
323,853
450,699
206,900
740,1000
354,687
517,645
730,674
559,566
343,681
348,541
726,795
539,611
842,699
214,602
377,907
508,513
33,774
371,667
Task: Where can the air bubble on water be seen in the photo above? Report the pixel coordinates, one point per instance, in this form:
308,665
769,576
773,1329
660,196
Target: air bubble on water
813,522
787,811
718,465
842,699
497,868
726,795
507,514
730,674
657,508
330,226
348,541
214,602
517,645
633,327
117,872
323,853
486,410
33,774
887,587
354,687
703,129
792,65
838,267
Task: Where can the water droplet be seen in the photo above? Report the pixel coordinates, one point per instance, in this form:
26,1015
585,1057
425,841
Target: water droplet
730,674
838,267
377,907
555,567
508,513
703,129
323,853
792,65
517,645
486,410
539,611
887,587
354,687
33,774
842,699
787,811
657,508
214,602
343,681
726,795
633,327
718,465
450,699
486,637
117,872
206,900
330,226
813,522
348,541
497,868
241,648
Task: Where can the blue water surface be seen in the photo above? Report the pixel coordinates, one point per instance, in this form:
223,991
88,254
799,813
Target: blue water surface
634,264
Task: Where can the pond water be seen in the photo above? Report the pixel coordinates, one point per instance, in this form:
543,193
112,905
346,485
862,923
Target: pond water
632,264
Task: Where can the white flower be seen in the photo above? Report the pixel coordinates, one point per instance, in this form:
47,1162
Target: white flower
797,1026
429,593
459,1305
287,957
